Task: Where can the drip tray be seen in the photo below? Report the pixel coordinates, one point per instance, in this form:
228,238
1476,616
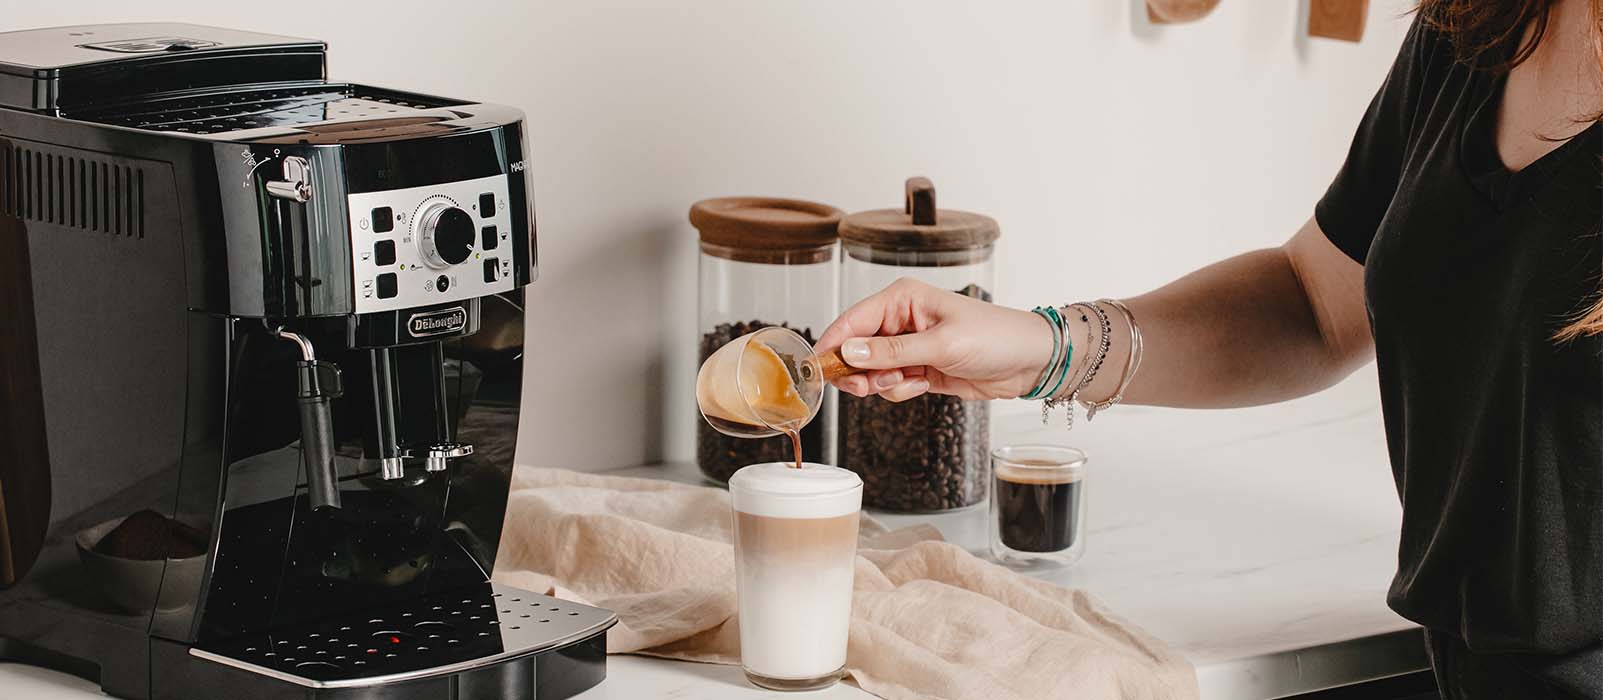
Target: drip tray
442,634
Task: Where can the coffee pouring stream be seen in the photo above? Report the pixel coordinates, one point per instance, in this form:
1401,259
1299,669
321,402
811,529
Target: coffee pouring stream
766,383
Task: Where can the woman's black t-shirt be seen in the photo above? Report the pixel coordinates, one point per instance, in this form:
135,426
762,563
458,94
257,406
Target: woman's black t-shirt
1495,430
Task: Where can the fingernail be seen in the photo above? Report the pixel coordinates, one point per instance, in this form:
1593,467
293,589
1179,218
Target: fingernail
854,350
888,380
919,385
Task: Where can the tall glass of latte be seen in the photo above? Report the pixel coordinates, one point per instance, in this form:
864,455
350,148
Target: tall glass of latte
795,549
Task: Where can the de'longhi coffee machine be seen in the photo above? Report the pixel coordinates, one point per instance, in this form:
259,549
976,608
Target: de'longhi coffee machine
260,372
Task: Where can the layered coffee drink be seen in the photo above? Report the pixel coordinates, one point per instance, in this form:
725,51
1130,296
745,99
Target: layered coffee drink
795,552
1038,504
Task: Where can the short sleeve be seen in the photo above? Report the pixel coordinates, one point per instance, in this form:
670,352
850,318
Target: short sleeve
1357,200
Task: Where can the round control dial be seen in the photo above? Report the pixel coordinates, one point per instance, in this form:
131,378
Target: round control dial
447,235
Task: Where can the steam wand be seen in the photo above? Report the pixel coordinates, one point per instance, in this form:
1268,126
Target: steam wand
318,383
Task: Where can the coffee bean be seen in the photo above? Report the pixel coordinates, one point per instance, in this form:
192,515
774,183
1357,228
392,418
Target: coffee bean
720,455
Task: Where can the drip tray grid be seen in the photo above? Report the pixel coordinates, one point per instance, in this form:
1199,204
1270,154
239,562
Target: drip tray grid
440,634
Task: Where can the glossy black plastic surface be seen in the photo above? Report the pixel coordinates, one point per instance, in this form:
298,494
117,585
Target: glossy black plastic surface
238,110
55,68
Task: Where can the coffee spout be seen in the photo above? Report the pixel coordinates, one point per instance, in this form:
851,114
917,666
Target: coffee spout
392,464
446,448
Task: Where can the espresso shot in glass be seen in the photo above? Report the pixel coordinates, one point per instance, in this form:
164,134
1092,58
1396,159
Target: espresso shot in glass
1037,505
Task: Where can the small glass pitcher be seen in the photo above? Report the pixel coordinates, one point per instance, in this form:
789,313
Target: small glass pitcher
765,383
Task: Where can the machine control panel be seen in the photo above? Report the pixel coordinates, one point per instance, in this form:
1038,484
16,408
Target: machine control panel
430,245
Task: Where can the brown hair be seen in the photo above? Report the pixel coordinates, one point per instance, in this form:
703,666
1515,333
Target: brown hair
1477,28
1482,28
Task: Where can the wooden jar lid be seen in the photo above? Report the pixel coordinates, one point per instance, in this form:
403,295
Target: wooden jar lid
765,223
918,225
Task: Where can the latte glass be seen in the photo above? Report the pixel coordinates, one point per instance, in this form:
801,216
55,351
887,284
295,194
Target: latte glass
795,552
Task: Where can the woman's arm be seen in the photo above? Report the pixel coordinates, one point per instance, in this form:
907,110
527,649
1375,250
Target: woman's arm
1262,327
1257,328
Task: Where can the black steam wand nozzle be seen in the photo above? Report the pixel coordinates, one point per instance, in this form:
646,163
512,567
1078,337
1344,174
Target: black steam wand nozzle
317,385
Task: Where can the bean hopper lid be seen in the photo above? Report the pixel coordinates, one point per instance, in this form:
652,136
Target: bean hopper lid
65,68
918,226
766,229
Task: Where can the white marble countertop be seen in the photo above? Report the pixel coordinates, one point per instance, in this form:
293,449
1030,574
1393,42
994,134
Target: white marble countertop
1259,542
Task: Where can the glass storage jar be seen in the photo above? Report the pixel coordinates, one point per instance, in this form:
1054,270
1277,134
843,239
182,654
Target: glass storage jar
764,262
931,453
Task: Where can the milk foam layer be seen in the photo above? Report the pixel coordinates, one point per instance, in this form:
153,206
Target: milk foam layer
779,490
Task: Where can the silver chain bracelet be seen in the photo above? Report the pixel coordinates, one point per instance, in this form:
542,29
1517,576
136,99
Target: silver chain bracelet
1137,348
1093,364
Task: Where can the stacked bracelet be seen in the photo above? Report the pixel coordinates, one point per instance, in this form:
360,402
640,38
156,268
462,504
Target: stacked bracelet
1057,385
1068,356
1051,363
1062,353
1093,364
1137,349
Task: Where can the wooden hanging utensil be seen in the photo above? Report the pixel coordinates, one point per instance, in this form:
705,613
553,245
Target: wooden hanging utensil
1178,11
1337,19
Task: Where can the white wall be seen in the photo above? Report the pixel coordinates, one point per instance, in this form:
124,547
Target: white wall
1115,155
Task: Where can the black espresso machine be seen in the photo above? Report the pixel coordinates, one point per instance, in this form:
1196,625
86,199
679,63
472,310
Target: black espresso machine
260,364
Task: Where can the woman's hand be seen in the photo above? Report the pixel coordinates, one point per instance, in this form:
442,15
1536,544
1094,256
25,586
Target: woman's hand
916,338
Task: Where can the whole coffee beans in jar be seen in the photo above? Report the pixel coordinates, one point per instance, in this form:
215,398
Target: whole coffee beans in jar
931,453
764,262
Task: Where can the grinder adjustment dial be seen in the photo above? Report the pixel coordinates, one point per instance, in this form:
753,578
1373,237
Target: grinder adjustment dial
446,235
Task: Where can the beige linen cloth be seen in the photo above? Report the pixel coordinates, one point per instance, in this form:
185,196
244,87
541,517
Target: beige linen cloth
929,619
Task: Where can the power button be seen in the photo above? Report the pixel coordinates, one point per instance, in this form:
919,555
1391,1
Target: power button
443,283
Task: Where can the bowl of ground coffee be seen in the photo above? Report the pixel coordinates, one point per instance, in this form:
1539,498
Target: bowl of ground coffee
128,557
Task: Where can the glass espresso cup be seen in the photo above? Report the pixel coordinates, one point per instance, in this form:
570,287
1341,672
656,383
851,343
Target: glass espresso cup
765,383
795,552
1037,505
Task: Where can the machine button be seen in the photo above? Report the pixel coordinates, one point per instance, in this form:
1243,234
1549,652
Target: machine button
488,239
384,253
487,205
383,220
443,283
492,269
386,286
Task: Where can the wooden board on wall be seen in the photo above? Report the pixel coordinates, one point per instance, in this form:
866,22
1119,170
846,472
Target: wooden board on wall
1177,11
1337,19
